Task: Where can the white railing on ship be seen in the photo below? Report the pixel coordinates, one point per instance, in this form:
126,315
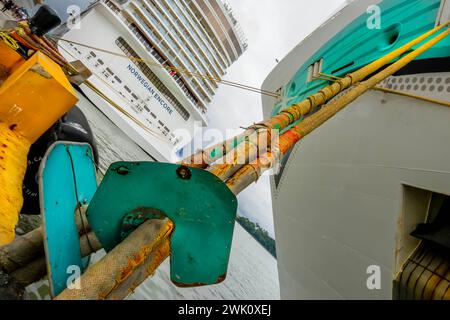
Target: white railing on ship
113,6
161,60
155,54
238,28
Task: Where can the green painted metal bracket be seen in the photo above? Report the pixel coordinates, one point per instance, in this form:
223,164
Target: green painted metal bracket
201,206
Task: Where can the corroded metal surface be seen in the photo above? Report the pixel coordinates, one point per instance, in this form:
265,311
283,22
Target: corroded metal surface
246,175
138,216
201,206
138,269
294,113
126,266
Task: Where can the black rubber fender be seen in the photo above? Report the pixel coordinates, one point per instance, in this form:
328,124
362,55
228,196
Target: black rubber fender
73,126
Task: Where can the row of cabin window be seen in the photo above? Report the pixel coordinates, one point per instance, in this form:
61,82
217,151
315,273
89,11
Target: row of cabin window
122,44
129,91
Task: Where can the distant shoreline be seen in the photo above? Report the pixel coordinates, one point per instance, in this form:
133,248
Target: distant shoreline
259,234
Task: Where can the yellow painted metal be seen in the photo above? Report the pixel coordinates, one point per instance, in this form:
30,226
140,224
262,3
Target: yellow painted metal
34,94
13,164
9,58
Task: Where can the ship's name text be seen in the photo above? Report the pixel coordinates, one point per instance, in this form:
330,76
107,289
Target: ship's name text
150,89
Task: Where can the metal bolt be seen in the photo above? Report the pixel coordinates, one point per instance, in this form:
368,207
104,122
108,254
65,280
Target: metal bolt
184,173
123,171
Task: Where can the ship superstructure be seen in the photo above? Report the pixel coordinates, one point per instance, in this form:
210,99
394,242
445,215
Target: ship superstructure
177,50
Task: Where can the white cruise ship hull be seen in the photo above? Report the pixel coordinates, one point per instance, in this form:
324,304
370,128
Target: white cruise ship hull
155,123
352,191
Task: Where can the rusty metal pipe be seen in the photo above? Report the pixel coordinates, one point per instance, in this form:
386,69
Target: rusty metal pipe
25,249
251,172
36,269
206,157
125,267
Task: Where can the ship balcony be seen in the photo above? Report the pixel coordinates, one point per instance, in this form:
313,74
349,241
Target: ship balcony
174,83
149,18
182,81
192,20
187,30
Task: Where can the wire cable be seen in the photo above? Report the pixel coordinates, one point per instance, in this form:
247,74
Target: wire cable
91,86
174,69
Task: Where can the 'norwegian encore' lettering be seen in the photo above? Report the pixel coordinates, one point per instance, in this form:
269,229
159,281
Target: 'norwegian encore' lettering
150,89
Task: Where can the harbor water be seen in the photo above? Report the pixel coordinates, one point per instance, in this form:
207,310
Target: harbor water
252,271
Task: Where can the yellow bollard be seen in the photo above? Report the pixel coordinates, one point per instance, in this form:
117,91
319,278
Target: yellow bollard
34,94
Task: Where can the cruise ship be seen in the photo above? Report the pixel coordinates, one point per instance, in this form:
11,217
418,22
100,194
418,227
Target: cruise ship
361,205
159,61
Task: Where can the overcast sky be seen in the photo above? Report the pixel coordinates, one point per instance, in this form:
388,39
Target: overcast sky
273,28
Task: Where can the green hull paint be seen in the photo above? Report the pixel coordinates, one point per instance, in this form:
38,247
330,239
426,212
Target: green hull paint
357,45
201,206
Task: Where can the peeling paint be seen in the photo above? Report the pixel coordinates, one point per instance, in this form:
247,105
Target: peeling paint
199,284
150,256
41,71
